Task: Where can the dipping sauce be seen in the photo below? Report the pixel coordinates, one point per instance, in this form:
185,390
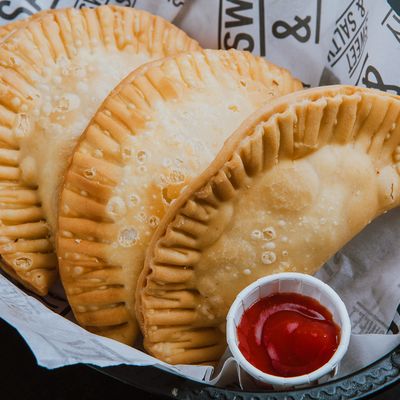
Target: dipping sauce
288,334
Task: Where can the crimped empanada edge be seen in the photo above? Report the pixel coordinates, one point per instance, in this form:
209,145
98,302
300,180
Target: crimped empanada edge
289,84
11,179
210,176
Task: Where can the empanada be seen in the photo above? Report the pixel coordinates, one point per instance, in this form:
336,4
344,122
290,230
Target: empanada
290,187
158,129
55,71
8,29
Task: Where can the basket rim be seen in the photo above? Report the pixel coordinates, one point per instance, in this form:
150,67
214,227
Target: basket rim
367,381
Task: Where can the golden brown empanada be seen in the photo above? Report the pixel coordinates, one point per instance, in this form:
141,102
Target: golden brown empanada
290,187
8,29
158,129
55,71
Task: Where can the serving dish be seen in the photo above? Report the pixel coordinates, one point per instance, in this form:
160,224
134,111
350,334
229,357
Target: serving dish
380,376
380,380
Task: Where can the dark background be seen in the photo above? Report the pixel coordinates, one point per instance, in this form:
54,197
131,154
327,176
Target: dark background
21,378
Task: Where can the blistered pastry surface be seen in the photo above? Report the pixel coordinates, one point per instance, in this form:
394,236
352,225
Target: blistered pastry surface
289,189
62,114
55,72
308,209
161,127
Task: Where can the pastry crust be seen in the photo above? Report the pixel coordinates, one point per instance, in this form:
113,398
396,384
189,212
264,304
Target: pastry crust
157,129
8,29
55,71
291,186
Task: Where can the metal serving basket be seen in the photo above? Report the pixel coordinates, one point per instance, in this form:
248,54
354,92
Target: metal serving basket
379,380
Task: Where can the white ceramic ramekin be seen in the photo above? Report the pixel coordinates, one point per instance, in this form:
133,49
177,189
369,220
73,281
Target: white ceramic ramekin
305,285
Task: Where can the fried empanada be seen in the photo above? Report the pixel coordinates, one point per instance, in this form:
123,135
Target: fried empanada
290,187
8,29
158,129
55,72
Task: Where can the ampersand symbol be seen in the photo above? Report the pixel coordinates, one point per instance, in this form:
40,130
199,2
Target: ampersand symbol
177,3
360,7
13,14
377,82
293,30
16,12
127,3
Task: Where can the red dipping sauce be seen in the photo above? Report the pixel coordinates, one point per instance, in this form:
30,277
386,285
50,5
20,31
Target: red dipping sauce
288,334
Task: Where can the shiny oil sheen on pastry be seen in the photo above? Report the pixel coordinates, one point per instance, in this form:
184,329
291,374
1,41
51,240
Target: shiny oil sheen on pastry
159,128
55,72
291,186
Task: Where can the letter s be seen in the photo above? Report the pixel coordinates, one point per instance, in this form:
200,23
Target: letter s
236,42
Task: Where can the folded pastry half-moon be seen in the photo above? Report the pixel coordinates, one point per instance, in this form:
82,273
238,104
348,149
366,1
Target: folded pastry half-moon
162,126
290,187
54,73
